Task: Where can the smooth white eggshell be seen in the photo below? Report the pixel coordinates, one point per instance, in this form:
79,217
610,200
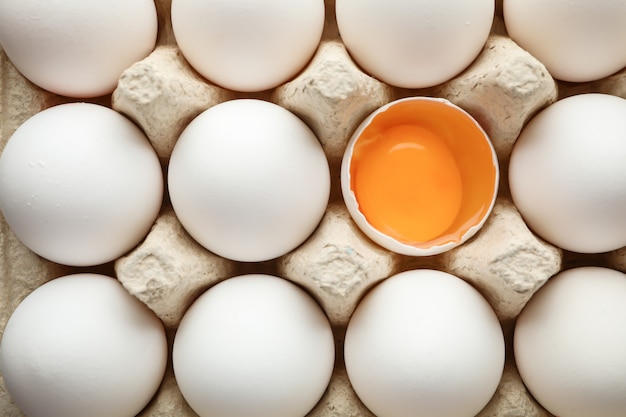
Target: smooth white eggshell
249,180
80,345
577,41
253,346
248,45
570,346
567,173
414,44
80,184
77,48
425,343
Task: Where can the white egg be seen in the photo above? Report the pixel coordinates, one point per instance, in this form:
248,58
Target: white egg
577,41
253,346
425,343
567,173
249,180
77,48
419,176
80,345
248,45
570,347
414,44
80,184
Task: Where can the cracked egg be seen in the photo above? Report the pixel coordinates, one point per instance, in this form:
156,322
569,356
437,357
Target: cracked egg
419,176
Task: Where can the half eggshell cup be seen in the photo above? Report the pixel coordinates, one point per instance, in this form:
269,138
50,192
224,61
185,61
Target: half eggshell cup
419,176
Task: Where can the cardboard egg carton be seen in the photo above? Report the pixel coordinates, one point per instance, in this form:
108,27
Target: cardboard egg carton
503,88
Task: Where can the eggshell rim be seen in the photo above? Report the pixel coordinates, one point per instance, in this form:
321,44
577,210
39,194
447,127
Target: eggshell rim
382,239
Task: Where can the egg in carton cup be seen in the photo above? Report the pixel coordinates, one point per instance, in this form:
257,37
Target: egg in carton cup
329,269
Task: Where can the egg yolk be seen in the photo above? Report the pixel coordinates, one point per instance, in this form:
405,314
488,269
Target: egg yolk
407,183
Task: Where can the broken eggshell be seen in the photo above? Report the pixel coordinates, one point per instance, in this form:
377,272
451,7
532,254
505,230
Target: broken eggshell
439,140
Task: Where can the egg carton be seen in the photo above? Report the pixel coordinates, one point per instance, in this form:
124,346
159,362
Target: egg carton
502,89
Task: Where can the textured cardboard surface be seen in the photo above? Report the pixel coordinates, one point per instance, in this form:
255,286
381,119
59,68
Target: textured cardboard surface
502,89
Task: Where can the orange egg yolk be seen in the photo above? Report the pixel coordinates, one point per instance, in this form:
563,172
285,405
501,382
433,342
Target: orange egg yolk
407,183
